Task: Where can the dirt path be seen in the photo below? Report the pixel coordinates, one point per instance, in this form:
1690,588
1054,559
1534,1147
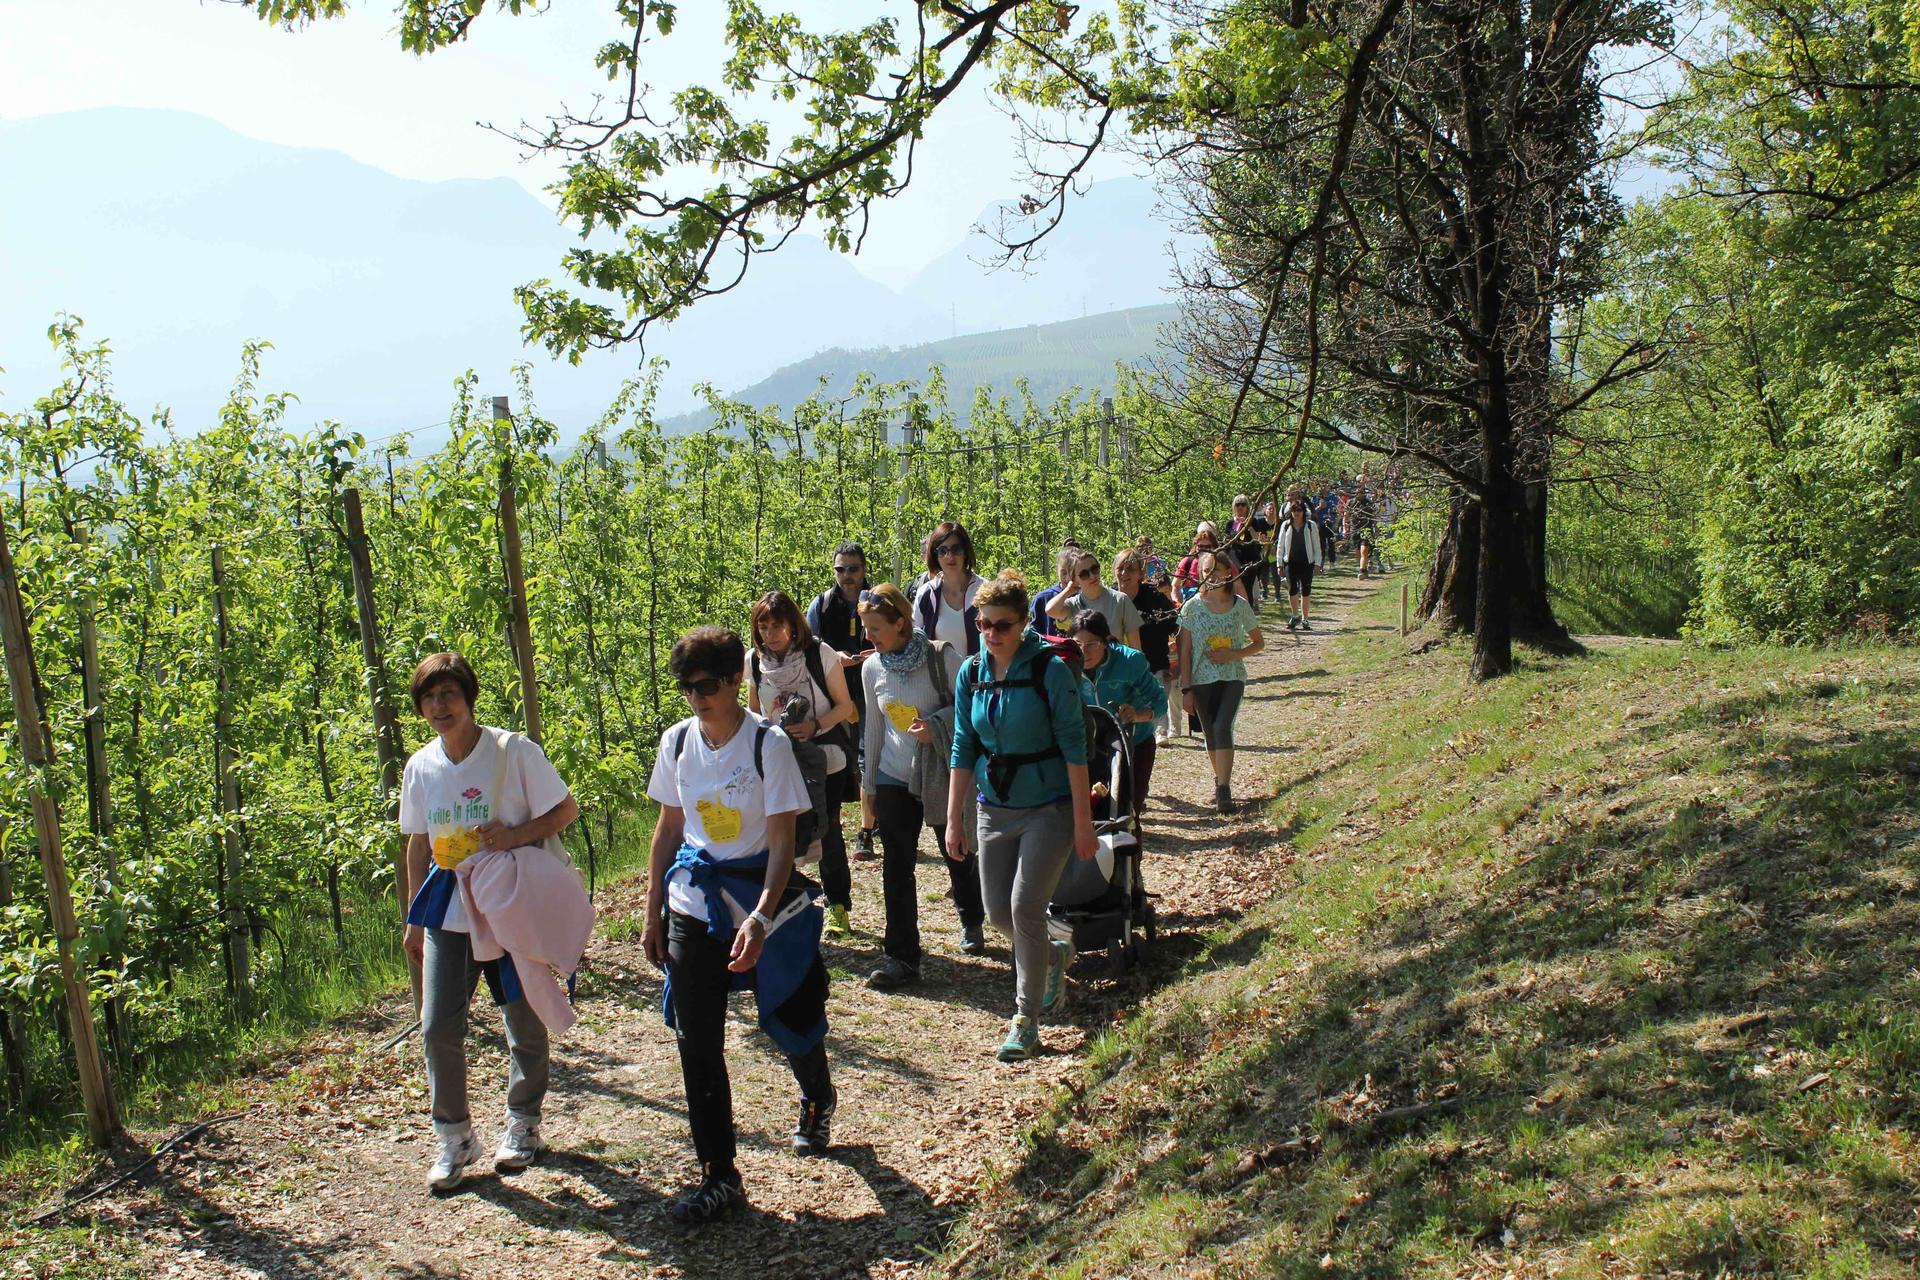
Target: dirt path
322,1178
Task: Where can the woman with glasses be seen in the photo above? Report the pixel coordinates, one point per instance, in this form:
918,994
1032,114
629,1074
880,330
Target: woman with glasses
943,608
1218,633
1159,620
788,665
1299,546
1020,745
1087,592
1124,685
726,911
909,739
834,616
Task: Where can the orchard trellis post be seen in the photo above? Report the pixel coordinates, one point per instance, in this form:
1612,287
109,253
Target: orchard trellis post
96,1086
522,625
232,909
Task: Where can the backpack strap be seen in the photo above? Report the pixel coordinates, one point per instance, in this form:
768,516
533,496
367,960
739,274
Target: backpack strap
1001,766
759,747
816,668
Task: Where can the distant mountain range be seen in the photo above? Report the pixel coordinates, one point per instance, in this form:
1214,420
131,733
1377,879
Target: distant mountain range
179,240
1052,358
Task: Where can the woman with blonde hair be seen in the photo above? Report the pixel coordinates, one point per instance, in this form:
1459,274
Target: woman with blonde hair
1219,631
908,681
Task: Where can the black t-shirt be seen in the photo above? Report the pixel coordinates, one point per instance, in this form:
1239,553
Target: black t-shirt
1297,552
1156,637
1248,550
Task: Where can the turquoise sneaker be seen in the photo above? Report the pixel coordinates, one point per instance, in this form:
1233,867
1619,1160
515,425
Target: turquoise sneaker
1062,956
1022,1042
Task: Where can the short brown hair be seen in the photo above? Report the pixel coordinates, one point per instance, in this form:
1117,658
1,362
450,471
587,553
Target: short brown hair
1007,591
778,606
886,599
941,532
1129,558
712,650
439,668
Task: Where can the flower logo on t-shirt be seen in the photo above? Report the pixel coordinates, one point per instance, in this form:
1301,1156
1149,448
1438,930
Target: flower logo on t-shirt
471,793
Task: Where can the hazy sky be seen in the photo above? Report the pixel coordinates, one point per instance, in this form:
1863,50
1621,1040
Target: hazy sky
346,85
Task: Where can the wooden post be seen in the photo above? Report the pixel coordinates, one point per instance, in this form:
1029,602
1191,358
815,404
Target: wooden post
1106,429
99,789
901,535
1403,608
96,1087
522,625
231,906
386,727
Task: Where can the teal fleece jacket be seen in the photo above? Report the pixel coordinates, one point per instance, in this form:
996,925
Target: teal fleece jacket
1017,721
1123,679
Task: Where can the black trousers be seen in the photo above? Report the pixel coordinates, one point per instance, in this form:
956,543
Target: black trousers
899,818
836,877
701,982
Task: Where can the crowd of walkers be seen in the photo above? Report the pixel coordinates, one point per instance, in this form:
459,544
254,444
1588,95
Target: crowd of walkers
956,704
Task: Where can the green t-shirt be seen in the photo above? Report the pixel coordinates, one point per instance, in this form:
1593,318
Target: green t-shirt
1210,631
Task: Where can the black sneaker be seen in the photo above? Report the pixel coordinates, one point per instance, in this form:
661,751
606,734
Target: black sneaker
892,974
863,845
1223,798
812,1130
973,940
716,1196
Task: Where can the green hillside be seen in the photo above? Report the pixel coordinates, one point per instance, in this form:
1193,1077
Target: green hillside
1053,358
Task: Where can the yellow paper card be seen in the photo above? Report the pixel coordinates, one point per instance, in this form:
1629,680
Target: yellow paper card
1219,642
721,821
456,847
903,714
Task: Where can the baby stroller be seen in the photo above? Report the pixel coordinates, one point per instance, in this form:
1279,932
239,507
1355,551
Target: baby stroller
1101,904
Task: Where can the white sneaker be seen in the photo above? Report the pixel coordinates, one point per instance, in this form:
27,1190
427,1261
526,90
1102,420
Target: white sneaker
520,1145
458,1149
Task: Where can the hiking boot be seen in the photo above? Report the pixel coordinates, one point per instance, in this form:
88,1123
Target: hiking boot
1223,797
458,1149
892,974
1305,625
1022,1042
520,1145
1293,622
714,1196
863,845
815,1126
838,926
973,940
1061,956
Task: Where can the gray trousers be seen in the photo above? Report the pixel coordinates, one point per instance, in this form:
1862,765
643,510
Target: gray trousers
1022,852
447,979
1164,721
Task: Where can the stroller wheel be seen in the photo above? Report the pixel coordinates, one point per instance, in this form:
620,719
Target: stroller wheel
1117,955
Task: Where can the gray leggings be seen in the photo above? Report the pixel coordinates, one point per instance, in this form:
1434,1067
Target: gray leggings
447,979
1022,852
1218,702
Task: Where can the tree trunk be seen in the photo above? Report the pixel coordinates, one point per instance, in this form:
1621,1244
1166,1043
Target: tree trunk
1449,602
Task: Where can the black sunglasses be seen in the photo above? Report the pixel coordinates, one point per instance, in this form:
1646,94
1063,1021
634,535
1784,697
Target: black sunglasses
1091,572
994,627
844,569
705,687
951,549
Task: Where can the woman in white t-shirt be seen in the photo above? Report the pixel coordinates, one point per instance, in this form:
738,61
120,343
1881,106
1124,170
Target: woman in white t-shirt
787,664
457,798
726,911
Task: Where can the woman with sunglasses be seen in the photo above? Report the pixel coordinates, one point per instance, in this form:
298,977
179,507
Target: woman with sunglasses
726,911
1020,745
943,607
789,663
909,739
1124,685
1159,620
1087,592
1218,633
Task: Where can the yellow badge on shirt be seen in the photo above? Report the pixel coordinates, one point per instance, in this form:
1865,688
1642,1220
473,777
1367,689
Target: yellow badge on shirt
721,821
903,714
454,848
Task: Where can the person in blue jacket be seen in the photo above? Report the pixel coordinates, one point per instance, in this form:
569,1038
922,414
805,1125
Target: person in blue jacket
1020,740
1125,685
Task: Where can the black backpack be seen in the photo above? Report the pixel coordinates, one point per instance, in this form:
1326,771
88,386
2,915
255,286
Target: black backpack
806,824
1002,767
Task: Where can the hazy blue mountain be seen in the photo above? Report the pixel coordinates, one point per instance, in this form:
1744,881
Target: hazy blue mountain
179,240
1111,252
1053,358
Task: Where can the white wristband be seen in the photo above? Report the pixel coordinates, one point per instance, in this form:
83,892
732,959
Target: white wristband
766,921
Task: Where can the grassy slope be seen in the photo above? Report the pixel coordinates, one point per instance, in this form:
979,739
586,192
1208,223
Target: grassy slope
1611,968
